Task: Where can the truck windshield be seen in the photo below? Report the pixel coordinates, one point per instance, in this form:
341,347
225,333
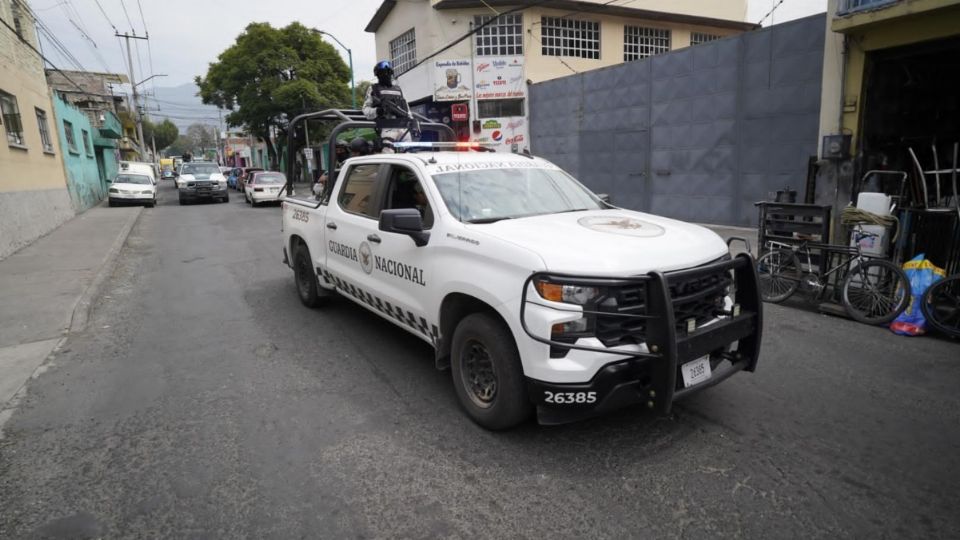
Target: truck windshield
489,195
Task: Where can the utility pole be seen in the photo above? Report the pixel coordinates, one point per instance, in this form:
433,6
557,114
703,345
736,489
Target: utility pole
133,83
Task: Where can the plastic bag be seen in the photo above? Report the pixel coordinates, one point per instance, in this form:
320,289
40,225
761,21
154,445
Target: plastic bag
922,274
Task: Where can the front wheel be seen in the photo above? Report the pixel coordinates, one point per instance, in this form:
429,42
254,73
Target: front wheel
487,375
779,275
941,306
875,292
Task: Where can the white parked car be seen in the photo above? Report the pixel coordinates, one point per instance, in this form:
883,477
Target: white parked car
264,186
537,293
133,188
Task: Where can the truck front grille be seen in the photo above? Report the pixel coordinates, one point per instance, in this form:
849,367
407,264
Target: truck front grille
699,298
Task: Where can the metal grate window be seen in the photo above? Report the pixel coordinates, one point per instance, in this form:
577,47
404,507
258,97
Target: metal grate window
503,37
44,130
10,113
403,51
86,142
570,37
71,137
641,42
499,108
697,38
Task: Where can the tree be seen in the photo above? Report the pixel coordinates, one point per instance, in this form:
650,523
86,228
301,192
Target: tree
270,75
180,146
362,87
164,133
201,136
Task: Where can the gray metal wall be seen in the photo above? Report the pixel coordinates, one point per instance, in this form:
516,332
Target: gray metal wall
698,134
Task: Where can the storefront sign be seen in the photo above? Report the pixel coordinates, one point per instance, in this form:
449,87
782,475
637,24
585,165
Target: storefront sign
459,112
499,78
451,80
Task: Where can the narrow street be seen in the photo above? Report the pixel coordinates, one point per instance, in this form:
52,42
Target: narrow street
204,400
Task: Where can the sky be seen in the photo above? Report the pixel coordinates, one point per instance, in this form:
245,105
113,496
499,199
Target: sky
186,35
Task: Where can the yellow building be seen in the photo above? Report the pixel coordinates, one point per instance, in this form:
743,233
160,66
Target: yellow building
891,83
33,191
490,71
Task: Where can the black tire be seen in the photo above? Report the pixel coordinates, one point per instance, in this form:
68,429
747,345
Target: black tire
111,204
305,278
941,306
150,205
875,292
487,375
225,199
182,201
779,275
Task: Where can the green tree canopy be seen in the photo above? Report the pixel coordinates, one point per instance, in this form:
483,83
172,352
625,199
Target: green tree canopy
163,133
270,75
202,137
180,146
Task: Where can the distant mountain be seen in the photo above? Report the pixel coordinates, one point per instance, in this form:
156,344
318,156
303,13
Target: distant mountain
181,105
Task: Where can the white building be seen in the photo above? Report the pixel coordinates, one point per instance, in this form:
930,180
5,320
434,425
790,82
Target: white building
479,85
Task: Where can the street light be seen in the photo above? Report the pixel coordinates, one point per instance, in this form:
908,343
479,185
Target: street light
150,77
353,87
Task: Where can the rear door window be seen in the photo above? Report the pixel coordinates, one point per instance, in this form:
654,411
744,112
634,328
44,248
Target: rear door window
359,191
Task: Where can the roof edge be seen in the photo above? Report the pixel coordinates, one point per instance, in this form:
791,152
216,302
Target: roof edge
381,15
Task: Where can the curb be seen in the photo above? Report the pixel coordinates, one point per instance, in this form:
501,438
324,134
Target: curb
81,311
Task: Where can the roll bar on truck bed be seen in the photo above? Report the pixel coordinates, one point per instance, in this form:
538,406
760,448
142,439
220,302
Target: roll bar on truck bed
348,119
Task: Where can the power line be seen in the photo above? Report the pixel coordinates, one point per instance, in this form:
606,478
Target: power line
105,16
40,54
124,6
769,13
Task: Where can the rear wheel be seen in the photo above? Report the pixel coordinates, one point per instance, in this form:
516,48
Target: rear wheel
941,306
306,278
875,292
779,273
487,375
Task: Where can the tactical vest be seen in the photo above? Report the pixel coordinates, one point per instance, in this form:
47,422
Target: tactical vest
392,95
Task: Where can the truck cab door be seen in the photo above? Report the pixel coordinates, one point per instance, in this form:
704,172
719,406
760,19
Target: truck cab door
351,217
403,269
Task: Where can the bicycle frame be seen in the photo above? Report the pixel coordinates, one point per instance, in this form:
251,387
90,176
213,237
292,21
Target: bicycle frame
853,254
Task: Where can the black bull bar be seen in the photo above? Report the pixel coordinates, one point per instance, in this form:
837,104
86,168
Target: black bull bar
667,349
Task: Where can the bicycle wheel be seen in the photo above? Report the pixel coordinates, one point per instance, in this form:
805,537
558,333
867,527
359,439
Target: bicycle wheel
875,292
779,273
941,306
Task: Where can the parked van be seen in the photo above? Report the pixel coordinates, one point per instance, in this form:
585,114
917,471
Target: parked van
140,167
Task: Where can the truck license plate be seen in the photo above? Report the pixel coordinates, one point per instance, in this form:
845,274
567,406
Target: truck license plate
696,371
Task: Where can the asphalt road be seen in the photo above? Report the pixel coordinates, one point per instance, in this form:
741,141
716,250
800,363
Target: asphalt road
205,401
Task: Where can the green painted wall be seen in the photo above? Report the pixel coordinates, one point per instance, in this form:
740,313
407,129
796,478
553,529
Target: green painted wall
84,183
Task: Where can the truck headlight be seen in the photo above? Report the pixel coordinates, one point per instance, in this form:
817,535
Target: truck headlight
570,294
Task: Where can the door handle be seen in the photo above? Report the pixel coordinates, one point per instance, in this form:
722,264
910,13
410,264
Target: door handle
373,238
331,225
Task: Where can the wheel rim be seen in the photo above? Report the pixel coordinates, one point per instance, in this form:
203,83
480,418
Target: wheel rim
875,291
777,276
303,277
478,374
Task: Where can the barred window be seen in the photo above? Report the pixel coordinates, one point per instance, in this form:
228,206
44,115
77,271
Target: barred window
570,37
86,142
10,113
503,37
640,42
44,130
697,38
403,51
499,108
71,137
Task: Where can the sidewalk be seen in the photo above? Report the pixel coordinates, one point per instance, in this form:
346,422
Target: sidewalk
47,288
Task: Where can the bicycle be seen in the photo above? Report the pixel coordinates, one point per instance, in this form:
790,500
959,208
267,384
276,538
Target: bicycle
874,291
941,306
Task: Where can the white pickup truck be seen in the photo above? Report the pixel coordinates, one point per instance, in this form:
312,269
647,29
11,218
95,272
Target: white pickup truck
538,294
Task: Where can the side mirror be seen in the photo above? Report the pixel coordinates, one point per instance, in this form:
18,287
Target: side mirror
405,221
605,197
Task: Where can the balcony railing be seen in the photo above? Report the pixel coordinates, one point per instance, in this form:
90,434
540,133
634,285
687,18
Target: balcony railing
846,7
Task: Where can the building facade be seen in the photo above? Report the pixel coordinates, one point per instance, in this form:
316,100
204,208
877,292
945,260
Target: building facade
480,86
82,158
33,192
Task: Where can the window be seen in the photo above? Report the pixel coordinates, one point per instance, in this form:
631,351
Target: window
11,119
17,25
86,142
406,191
403,51
502,37
497,108
44,130
570,37
71,137
640,42
697,38
357,193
